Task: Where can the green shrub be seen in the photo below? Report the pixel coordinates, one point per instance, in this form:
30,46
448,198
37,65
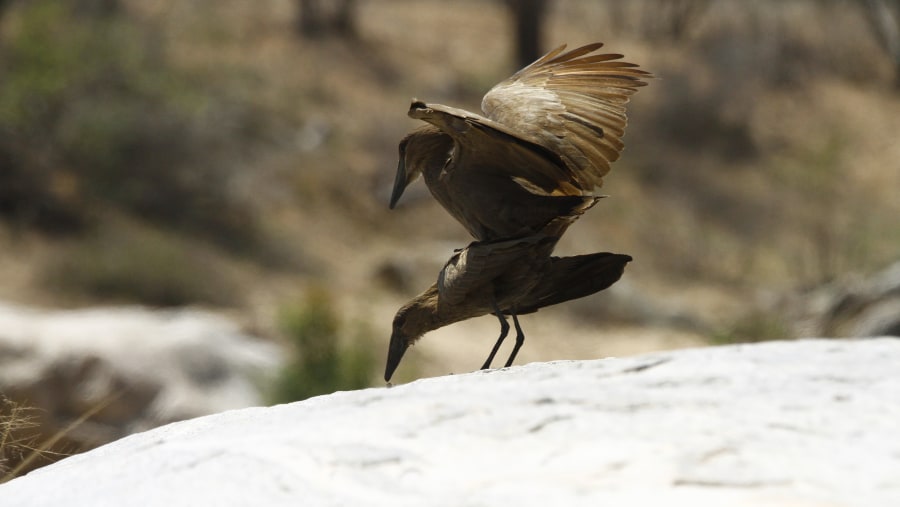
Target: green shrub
140,265
94,115
320,361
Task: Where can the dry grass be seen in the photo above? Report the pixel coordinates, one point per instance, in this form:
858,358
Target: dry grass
18,436
23,447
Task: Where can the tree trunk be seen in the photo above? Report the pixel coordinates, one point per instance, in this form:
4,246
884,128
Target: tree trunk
885,22
344,21
316,19
309,22
528,16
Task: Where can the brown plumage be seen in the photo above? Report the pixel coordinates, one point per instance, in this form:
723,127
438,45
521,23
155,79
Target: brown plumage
508,277
516,178
547,139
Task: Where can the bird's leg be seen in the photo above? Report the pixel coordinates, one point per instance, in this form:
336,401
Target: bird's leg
504,330
520,340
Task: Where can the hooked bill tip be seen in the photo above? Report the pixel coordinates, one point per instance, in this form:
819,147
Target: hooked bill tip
389,371
396,350
395,196
399,184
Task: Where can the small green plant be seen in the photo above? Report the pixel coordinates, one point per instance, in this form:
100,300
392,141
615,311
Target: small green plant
320,361
756,326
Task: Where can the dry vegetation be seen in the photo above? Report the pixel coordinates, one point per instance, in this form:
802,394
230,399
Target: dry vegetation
17,437
204,152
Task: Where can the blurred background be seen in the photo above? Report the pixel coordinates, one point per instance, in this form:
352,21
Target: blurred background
172,173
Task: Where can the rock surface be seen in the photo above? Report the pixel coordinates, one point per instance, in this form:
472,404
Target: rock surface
852,307
800,423
144,368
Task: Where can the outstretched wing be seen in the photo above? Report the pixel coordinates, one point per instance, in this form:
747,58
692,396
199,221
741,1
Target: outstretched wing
571,103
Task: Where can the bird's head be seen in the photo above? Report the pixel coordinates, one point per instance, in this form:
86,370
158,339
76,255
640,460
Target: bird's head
419,150
411,322
400,341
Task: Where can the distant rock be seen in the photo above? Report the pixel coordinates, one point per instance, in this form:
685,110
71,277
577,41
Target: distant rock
797,423
144,368
850,308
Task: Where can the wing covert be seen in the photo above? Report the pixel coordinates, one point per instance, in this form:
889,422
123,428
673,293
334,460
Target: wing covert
480,263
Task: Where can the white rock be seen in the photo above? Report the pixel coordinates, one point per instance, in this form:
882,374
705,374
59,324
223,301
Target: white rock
166,365
800,423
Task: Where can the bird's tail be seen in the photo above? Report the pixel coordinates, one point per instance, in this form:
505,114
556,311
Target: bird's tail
574,277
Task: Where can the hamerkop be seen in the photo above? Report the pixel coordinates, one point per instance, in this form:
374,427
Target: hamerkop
507,277
549,135
516,178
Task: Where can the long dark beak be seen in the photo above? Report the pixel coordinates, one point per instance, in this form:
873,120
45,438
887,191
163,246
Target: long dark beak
396,350
399,182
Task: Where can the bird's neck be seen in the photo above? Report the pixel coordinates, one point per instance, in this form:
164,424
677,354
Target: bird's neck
426,313
430,150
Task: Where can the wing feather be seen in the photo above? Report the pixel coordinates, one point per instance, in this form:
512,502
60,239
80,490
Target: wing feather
571,103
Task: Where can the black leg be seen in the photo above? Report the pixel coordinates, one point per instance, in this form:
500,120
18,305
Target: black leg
504,330
520,340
